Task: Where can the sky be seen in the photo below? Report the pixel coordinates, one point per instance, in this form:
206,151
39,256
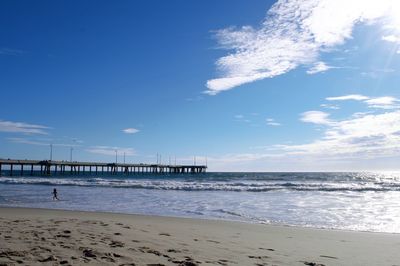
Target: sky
288,85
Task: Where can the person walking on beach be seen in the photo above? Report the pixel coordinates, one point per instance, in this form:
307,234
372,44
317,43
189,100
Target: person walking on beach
55,194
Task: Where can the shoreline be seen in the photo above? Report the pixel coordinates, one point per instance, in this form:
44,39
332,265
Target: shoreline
210,219
32,236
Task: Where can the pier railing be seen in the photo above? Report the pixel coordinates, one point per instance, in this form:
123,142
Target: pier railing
47,167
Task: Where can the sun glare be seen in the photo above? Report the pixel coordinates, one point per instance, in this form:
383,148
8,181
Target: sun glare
394,15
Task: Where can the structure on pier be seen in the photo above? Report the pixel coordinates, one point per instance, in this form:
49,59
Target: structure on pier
21,167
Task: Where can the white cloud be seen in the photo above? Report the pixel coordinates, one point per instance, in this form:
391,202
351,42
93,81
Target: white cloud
293,33
130,130
107,150
272,122
242,118
330,106
316,117
355,97
318,67
391,38
363,136
362,141
385,102
376,73
21,127
382,101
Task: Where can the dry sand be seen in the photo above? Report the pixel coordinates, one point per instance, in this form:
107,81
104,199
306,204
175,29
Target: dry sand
52,237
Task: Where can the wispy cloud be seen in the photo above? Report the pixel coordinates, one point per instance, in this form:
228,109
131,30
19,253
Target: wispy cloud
355,97
40,142
195,99
318,67
376,73
385,102
363,134
27,141
272,122
368,135
241,157
316,117
108,150
330,106
8,51
21,127
346,143
130,130
391,38
293,33
242,118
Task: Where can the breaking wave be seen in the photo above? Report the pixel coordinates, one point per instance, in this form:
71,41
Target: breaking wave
204,185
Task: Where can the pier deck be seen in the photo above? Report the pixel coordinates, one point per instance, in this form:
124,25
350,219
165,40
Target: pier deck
47,167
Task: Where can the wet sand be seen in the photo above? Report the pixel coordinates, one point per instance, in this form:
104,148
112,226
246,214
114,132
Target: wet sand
55,237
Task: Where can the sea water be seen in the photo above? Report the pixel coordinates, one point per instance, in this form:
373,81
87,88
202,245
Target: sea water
350,201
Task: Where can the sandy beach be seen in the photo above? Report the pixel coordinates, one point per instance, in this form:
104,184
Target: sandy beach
53,237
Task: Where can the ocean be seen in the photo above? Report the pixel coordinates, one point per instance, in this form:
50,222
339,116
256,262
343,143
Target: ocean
348,201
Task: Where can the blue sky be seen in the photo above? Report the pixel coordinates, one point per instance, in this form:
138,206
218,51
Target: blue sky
260,86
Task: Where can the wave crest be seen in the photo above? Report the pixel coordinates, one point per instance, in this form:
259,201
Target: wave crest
184,185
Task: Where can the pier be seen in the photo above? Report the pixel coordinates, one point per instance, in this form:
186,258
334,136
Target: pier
49,167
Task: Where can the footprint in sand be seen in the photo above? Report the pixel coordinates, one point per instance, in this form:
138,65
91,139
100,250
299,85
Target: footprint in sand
164,234
155,252
49,258
116,244
63,235
173,250
269,249
108,258
313,263
187,262
88,253
258,257
329,257
223,262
